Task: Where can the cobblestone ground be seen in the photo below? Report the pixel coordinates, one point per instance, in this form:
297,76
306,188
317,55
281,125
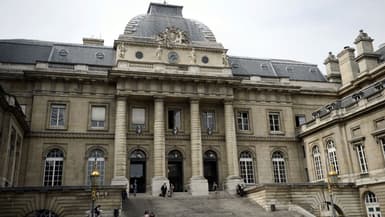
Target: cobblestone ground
183,205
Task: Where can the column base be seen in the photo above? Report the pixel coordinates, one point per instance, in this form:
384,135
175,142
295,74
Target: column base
199,186
157,183
231,184
121,180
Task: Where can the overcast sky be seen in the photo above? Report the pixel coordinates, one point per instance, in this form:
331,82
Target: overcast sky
304,30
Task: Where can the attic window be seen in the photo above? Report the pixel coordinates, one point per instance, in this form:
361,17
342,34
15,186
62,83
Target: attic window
99,55
379,86
235,65
63,52
264,66
289,69
357,96
313,70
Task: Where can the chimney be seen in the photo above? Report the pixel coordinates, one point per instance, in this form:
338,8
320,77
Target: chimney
348,67
366,58
93,41
332,69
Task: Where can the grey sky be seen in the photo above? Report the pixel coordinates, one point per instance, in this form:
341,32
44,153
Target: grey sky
303,30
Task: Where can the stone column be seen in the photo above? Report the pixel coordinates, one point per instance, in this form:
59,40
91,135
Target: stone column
198,184
233,178
120,149
159,147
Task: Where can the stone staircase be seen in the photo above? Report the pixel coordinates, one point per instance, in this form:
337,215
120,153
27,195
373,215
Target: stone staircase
218,204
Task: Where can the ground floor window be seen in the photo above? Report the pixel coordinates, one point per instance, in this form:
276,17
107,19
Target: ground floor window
247,167
372,205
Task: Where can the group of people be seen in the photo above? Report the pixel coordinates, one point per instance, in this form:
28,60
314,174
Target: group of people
164,192
149,214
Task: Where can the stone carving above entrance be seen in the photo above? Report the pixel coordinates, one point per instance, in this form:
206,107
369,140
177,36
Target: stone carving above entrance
173,36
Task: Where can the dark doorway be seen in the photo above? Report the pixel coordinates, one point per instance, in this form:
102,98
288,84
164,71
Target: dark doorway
210,167
138,171
175,170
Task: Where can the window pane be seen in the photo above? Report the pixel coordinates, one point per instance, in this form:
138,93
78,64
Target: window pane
98,113
138,116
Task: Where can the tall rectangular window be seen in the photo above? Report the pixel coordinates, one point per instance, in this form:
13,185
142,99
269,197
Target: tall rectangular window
174,119
208,120
57,115
299,120
98,116
138,117
362,158
382,142
243,120
274,121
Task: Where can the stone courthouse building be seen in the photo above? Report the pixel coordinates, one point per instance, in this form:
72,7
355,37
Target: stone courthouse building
166,104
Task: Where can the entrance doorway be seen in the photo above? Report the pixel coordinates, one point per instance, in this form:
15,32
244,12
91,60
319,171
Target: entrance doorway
210,167
138,171
175,170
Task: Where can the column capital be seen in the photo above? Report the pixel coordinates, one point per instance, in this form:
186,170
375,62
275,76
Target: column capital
158,98
121,97
228,101
194,100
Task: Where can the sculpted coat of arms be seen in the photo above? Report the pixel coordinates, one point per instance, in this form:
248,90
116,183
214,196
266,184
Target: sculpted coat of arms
173,36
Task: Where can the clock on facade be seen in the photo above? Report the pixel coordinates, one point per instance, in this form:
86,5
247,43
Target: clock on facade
173,57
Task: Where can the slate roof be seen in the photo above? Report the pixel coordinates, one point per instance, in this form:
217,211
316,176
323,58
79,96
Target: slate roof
30,51
294,70
352,99
160,16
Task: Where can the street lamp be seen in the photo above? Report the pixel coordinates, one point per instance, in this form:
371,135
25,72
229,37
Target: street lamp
94,176
332,180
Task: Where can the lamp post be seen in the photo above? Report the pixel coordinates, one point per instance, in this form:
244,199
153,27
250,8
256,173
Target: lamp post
332,180
94,176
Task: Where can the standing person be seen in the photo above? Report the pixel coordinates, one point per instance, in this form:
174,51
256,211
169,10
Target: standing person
215,186
124,195
146,213
163,189
171,189
152,214
135,187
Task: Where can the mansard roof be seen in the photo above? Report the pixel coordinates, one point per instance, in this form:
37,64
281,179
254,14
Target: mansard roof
21,51
275,68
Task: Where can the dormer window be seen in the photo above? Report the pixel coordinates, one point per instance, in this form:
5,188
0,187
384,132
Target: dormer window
289,69
235,65
313,70
379,86
357,96
264,66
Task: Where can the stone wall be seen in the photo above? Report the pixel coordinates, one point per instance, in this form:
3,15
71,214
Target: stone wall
69,201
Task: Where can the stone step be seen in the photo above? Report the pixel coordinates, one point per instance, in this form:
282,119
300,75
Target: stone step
185,205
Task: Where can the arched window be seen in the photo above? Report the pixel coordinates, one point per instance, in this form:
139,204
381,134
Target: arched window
97,156
332,156
53,169
175,155
279,167
317,163
247,168
372,205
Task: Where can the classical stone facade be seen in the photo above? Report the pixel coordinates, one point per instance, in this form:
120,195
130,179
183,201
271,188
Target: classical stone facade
166,104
